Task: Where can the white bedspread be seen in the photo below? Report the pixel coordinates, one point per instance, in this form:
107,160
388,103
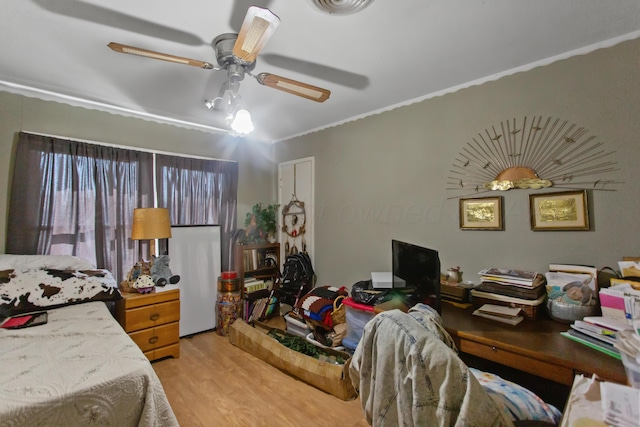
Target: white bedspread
80,369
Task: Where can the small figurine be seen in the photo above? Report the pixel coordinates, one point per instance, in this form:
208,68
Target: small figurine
143,284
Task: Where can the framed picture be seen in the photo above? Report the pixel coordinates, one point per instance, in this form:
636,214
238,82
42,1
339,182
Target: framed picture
565,210
483,213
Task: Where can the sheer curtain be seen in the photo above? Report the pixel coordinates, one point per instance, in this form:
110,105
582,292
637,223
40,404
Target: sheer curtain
74,198
199,192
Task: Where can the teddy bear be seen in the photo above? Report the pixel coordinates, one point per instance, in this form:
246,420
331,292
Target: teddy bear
160,271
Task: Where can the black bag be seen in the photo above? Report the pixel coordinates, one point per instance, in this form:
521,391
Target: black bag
297,279
362,292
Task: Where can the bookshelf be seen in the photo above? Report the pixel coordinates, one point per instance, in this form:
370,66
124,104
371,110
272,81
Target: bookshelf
258,266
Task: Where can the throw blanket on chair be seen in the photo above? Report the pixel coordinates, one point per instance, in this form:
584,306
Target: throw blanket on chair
408,374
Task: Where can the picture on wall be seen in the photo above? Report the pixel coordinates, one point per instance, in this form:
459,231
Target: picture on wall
483,213
561,211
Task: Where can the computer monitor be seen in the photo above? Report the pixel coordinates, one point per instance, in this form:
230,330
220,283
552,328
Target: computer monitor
419,269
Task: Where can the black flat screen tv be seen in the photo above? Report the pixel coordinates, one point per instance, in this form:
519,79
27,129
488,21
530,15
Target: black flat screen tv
418,268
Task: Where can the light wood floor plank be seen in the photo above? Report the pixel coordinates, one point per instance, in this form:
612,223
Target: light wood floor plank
214,383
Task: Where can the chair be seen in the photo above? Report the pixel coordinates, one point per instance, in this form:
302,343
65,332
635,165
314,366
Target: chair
407,372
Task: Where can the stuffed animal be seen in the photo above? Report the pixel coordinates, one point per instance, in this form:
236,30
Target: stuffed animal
161,273
143,284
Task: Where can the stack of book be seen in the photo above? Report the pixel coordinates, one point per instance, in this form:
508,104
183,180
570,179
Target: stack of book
513,283
514,288
597,332
499,313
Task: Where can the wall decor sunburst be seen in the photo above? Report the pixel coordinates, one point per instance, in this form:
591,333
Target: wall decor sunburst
532,153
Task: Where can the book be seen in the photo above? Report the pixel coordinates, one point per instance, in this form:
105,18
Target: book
502,319
608,322
562,274
592,343
594,333
500,310
511,290
509,276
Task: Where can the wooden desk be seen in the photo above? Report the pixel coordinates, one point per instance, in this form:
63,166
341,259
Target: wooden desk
533,346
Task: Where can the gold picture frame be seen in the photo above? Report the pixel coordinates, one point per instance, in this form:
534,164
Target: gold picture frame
484,213
560,211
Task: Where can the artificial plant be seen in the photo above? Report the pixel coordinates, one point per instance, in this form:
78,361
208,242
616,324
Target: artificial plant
261,222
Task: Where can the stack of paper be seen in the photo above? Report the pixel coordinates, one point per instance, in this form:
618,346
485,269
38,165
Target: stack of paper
510,277
597,332
593,402
500,313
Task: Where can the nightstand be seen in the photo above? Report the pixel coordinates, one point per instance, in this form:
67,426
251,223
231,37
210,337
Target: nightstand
152,321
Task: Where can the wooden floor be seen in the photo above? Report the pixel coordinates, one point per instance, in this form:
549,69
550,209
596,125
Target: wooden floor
216,383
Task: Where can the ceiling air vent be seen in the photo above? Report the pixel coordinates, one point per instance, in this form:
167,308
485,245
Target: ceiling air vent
341,7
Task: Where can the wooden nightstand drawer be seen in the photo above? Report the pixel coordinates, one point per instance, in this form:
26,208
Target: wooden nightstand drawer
152,321
156,337
152,315
528,364
170,350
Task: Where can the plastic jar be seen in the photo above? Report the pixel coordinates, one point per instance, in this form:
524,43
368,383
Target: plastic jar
229,301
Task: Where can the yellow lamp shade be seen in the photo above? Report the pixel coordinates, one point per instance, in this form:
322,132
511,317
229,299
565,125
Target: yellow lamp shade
150,223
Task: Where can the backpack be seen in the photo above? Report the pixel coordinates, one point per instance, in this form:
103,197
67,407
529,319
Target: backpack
297,278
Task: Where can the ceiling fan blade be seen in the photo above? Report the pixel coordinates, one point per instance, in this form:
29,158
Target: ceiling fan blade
294,87
132,50
257,28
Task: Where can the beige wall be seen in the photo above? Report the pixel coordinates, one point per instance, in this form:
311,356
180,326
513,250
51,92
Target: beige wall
256,166
384,177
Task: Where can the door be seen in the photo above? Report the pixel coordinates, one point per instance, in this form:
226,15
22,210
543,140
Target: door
296,183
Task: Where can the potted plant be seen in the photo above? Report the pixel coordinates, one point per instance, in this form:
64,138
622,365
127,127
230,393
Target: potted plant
261,223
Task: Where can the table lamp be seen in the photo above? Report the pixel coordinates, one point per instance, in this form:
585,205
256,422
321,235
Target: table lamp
151,224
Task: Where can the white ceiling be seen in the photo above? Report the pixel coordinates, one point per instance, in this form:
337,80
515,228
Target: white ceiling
391,53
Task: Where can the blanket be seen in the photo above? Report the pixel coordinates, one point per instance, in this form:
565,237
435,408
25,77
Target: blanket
407,373
79,369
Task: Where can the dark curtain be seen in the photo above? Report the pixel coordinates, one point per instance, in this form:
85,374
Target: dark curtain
200,192
74,198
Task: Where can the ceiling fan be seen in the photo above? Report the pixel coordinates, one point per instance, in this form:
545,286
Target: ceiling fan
236,54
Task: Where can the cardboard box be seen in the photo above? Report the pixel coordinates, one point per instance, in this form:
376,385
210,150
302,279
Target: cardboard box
384,280
333,379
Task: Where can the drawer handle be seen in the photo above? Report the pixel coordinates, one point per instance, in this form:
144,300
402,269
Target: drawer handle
153,340
154,316
495,350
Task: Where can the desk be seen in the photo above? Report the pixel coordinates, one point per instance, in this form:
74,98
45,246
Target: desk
533,346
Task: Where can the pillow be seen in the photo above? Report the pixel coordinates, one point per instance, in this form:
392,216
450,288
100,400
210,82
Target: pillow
24,290
62,262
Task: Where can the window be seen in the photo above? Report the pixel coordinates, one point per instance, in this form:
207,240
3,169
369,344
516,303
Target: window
75,198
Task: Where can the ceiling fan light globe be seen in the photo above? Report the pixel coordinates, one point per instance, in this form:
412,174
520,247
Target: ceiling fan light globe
242,123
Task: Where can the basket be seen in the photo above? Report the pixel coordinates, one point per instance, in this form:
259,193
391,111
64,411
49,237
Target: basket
531,309
339,314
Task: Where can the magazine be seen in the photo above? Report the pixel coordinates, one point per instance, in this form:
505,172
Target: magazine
509,276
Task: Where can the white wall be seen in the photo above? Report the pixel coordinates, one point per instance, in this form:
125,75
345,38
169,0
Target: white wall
384,176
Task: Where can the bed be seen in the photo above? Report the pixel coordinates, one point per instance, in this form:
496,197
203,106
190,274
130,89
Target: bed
80,368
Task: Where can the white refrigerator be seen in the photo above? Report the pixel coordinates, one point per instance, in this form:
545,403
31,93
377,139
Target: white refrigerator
194,254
